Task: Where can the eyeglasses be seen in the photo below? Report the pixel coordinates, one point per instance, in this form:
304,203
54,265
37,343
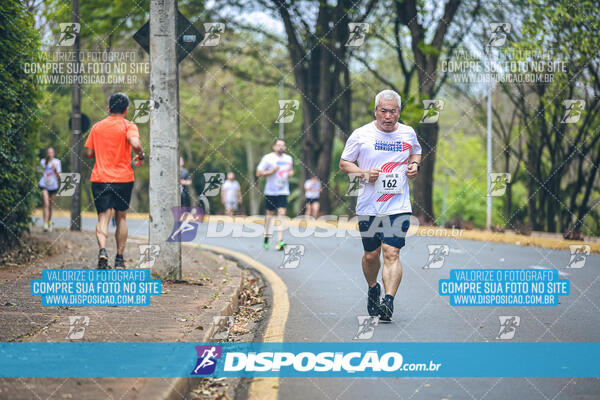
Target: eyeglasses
392,111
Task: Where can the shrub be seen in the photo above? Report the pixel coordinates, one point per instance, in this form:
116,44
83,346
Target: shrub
20,44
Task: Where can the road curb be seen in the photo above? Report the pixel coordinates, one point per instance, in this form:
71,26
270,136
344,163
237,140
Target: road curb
261,388
280,305
178,388
264,388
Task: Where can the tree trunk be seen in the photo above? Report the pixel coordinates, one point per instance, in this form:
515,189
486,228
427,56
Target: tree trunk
324,162
251,178
584,207
532,184
317,143
322,78
508,197
552,205
427,135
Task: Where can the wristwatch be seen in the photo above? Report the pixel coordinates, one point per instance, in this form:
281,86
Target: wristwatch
415,162
142,157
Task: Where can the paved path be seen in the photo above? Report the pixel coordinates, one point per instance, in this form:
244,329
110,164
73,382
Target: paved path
327,292
184,312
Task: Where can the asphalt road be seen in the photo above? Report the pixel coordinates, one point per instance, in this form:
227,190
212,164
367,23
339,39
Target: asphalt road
327,294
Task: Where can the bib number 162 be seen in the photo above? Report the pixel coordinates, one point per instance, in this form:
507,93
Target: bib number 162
389,183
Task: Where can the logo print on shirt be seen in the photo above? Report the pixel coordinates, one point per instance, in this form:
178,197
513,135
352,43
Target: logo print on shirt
392,146
389,167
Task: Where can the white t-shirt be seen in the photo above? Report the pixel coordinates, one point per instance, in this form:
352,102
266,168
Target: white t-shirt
314,192
230,190
388,151
49,180
277,183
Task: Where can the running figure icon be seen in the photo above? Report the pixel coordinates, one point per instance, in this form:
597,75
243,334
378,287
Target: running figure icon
188,221
206,359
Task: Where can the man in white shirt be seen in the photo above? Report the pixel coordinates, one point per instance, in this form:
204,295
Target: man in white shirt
277,168
231,195
384,153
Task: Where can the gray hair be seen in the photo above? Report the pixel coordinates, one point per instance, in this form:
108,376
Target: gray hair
388,95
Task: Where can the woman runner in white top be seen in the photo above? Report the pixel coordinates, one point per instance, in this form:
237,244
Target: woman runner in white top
312,191
49,184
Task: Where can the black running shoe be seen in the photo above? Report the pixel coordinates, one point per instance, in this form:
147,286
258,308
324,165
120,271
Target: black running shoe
119,263
102,259
386,309
373,300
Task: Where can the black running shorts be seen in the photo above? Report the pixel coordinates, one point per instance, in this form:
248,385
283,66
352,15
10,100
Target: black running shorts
111,195
274,202
388,229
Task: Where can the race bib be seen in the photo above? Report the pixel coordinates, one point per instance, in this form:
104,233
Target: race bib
49,180
280,181
390,183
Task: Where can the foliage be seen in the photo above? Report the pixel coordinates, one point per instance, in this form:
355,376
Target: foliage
229,93
461,166
562,158
105,22
19,124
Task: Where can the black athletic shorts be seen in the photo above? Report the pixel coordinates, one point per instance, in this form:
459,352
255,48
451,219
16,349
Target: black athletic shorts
389,229
310,201
274,202
111,195
50,192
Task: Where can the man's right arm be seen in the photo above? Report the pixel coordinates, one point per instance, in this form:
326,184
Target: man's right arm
351,151
348,167
260,174
89,145
261,171
224,188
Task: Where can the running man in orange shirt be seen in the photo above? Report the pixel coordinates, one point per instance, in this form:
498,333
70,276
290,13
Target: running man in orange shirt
110,142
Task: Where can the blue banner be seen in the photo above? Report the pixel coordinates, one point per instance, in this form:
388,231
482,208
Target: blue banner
503,287
551,360
95,287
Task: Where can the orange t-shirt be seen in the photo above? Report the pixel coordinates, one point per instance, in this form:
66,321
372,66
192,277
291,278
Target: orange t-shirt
109,138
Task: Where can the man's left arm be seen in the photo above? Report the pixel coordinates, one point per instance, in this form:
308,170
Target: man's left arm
414,159
133,137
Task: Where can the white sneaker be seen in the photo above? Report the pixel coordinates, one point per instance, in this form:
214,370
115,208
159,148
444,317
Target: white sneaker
50,226
45,227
